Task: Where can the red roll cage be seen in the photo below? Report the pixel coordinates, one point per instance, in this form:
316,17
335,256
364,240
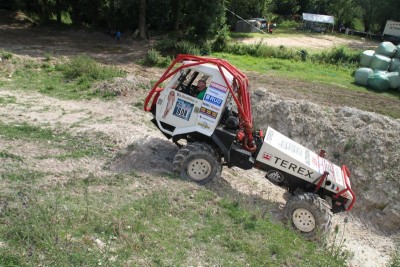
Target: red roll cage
238,90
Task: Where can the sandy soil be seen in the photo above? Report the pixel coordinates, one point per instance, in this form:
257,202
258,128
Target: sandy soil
369,247
322,41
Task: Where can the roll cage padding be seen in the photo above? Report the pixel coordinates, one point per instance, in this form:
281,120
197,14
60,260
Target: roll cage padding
239,91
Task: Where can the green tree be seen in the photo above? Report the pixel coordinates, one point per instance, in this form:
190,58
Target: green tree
286,7
344,11
387,10
203,18
314,6
367,13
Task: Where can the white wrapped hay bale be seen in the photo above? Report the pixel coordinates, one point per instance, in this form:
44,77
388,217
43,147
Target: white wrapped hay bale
386,48
380,62
380,71
394,64
378,81
361,76
397,54
366,58
394,80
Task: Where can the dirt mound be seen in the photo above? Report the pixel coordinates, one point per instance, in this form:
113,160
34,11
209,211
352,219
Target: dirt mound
118,86
366,142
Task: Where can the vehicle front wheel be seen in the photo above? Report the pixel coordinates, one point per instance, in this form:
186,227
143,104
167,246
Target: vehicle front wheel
198,162
309,214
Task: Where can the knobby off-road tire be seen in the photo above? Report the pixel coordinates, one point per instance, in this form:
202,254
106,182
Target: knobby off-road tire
309,214
198,162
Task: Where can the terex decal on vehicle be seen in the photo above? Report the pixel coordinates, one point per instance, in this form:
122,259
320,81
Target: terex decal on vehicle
292,167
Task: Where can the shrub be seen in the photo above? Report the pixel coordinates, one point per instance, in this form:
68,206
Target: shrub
5,55
165,44
221,42
154,58
85,68
338,55
261,50
185,47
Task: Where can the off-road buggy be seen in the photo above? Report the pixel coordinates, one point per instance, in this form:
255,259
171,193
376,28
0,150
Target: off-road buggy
217,131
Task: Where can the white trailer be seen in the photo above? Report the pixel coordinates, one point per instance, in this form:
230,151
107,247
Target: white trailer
392,31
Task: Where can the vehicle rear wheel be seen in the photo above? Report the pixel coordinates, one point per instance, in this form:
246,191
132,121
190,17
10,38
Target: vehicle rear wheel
198,162
309,214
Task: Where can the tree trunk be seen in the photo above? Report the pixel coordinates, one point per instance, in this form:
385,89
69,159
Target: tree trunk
45,14
58,11
142,20
368,17
176,11
111,12
75,12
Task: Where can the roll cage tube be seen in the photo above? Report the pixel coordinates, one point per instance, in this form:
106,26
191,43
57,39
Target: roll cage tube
240,82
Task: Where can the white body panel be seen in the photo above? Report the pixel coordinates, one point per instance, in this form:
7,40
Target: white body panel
188,113
282,153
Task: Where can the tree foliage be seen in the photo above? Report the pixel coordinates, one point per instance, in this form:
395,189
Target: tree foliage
200,19
344,11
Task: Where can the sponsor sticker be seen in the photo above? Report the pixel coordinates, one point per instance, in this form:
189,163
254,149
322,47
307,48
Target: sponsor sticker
292,147
183,109
219,87
269,136
335,187
203,124
184,96
204,118
208,112
213,100
267,156
307,157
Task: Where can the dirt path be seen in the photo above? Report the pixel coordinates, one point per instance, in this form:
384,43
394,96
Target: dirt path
314,42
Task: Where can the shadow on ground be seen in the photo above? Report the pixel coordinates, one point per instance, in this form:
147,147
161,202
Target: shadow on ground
154,156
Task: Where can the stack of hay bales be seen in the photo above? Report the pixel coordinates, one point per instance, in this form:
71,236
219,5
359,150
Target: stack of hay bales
380,69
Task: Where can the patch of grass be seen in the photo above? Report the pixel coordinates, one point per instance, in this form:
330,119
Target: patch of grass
395,260
308,71
5,55
77,224
48,56
25,131
349,145
22,175
338,55
8,100
6,155
85,69
68,80
72,146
